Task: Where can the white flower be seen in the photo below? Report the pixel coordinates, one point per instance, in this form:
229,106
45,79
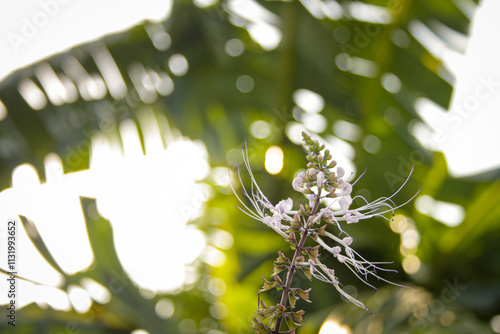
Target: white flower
260,203
348,240
284,206
320,178
275,216
377,208
299,181
340,172
326,213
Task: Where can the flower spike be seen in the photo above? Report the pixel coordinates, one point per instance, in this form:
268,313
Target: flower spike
323,180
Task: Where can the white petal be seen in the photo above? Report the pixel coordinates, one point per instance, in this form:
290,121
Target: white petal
348,240
297,184
326,213
320,178
347,189
349,218
345,202
336,250
340,172
284,205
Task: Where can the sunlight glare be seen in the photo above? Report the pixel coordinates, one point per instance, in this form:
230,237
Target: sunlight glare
32,94
3,111
55,209
79,298
96,291
148,199
153,192
450,214
274,159
309,101
332,327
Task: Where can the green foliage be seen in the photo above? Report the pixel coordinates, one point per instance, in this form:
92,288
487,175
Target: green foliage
205,104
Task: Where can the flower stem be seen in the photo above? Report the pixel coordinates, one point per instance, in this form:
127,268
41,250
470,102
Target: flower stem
292,269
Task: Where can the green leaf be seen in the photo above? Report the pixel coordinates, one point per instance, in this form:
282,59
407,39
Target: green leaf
268,285
304,294
281,259
292,298
307,273
291,324
37,240
278,280
297,316
277,269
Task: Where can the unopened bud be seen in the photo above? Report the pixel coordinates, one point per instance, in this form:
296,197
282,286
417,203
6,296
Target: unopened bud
320,179
332,164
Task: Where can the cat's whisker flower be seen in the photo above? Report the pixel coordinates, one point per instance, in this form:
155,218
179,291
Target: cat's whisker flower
322,180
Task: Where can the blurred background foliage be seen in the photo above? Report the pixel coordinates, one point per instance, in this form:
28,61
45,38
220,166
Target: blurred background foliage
367,66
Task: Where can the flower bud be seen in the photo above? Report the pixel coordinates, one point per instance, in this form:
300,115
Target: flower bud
348,240
320,179
332,164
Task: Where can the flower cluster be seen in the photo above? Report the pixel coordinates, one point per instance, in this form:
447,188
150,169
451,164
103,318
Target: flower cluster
322,181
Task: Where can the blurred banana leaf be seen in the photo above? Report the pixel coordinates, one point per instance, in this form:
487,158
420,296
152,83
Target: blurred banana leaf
204,70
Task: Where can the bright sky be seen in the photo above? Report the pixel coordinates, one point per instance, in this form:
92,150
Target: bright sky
468,132
34,29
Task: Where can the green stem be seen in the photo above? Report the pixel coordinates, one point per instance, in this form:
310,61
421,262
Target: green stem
291,272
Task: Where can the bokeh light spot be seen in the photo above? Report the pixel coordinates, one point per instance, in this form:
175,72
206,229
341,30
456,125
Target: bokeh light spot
234,47
341,34
187,326
372,144
332,327
218,310
447,318
411,264
309,101
392,116
139,331
245,83
391,83
348,131
79,299
178,64
495,323
274,159
399,223
260,129
165,308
